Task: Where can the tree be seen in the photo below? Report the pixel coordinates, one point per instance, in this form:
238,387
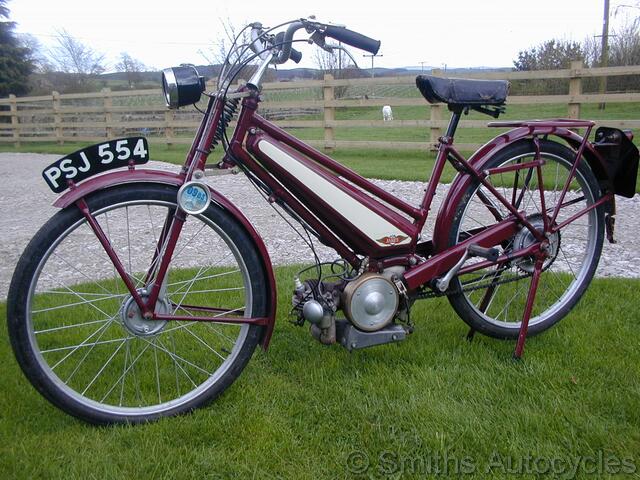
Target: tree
15,58
221,47
222,52
76,59
625,45
624,49
549,55
131,67
37,56
338,64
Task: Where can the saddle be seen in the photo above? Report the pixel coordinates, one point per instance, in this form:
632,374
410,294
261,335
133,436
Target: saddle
462,92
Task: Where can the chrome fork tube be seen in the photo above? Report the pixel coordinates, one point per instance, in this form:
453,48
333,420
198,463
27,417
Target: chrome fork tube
257,76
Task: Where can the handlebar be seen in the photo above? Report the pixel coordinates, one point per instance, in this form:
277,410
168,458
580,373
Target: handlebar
282,41
287,52
352,38
295,55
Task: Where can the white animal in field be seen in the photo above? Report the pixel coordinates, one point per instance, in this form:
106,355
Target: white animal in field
387,114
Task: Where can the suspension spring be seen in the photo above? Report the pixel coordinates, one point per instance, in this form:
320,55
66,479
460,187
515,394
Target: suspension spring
228,111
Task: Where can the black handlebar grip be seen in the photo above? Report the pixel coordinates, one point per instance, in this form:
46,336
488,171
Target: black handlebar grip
352,38
295,55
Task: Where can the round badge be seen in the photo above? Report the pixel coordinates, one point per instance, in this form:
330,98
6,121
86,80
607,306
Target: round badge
194,197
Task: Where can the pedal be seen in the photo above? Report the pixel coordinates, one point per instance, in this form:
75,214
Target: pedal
491,254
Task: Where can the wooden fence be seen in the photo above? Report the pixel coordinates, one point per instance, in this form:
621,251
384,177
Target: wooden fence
90,117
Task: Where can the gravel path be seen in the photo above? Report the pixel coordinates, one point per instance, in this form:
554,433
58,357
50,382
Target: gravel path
25,204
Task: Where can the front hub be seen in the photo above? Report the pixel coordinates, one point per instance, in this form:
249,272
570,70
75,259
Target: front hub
134,321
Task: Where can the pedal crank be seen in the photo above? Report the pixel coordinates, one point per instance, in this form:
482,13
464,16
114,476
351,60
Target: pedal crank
492,254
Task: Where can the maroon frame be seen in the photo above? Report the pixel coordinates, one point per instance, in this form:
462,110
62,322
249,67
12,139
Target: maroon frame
331,227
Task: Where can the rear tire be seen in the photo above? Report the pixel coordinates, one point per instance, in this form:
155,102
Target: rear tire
494,301
78,336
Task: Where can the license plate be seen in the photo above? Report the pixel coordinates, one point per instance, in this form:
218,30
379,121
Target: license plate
95,159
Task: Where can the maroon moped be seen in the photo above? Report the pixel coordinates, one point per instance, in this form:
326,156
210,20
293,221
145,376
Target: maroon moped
148,292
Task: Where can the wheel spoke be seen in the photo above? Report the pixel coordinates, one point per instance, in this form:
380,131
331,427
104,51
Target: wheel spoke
75,348
87,353
107,363
176,357
209,347
84,302
209,277
66,327
121,379
178,366
155,361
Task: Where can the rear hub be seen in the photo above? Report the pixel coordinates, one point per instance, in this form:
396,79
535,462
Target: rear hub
524,238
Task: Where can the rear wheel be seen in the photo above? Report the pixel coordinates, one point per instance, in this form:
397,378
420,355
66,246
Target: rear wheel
79,336
492,300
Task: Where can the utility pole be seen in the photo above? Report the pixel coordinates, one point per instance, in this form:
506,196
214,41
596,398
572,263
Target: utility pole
372,58
604,47
422,66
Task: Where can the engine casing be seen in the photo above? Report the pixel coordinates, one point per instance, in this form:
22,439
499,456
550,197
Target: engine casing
370,302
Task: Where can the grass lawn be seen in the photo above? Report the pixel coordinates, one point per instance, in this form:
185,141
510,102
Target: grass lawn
432,404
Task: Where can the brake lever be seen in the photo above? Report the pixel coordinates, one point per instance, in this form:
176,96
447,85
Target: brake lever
348,53
320,40
312,24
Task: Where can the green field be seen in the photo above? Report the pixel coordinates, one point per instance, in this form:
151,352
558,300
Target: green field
386,164
434,404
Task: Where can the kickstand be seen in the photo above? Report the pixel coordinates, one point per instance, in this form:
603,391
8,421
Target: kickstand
524,325
470,335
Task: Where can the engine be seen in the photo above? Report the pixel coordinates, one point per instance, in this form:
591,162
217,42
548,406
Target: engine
370,303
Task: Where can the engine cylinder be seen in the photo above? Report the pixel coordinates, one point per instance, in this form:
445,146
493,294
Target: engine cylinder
312,311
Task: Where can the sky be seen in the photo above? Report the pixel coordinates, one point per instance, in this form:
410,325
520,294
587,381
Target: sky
456,33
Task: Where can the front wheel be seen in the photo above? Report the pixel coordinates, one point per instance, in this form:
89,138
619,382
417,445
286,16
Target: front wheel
79,336
492,300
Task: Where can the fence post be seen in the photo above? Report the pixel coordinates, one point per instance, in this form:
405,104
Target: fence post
575,89
168,128
57,118
108,117
13,106
435,117
328,95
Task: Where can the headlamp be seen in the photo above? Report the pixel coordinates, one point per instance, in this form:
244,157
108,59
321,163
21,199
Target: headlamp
181,86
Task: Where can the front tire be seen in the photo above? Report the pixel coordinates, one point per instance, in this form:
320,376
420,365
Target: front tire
491,301
79,337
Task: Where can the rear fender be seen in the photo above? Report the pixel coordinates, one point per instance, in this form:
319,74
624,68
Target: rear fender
487,151
112,179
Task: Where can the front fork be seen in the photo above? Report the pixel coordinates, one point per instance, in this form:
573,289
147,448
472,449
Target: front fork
155,277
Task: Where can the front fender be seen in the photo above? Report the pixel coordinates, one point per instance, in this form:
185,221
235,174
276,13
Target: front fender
483,154
112,179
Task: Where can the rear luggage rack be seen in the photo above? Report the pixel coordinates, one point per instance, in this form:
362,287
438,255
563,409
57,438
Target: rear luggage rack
554,122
